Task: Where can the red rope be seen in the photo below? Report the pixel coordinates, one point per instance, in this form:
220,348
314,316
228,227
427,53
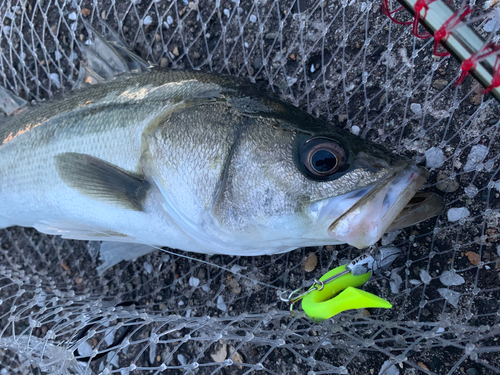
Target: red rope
471,63
419,5
443,33
386,10
495,81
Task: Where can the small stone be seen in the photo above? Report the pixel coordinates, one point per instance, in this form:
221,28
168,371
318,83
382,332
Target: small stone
78,280
471,191
475,99
192,5
311,262
342,118
476,96
457,213
434,158
221,353
451,296
181,358
389,368
355,129
292,56
221,305
416,108
444,183
175,51
423,365
236,357
233,285
440,84
196,55
476,156
471,371
194,281
163,62
425,277
157,37
257,63
202,273
473,257
450,278
103,14
86,12
330,248
271,36
65,266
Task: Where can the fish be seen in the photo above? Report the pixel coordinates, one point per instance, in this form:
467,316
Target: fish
195,161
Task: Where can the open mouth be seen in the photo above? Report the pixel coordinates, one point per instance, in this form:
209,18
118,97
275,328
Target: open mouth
392,204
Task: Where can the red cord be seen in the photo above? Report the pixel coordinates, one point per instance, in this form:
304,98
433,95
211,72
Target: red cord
419,5
443,33
389,13
495,80
471,63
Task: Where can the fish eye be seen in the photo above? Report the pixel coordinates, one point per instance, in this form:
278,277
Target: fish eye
322,157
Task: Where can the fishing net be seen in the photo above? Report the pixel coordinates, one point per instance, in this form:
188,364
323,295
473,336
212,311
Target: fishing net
189,313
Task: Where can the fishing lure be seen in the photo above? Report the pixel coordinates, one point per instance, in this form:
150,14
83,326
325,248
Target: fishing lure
336,291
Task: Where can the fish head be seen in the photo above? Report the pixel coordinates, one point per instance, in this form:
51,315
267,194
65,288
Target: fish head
271,183
301,188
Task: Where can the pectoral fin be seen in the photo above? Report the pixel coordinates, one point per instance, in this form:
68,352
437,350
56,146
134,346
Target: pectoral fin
98,179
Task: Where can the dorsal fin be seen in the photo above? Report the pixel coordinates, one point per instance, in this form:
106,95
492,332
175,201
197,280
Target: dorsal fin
106,58
10,103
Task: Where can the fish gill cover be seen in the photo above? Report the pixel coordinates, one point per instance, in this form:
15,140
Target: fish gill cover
191,313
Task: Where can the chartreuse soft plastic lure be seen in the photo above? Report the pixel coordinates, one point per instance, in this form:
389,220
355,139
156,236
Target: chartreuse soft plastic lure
336,290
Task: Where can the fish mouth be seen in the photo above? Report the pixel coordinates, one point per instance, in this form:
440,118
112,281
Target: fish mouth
391,204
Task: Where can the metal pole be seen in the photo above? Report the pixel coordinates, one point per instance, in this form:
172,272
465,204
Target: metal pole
463,41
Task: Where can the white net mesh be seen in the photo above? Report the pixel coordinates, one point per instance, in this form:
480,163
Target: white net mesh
342,60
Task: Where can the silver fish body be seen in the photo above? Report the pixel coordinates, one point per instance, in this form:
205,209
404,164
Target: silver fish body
197,162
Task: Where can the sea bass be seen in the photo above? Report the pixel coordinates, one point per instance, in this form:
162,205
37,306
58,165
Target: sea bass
198,162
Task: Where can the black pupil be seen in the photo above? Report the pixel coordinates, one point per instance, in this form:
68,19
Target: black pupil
323,161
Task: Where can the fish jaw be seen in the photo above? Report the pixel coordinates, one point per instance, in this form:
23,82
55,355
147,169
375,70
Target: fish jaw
364,223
